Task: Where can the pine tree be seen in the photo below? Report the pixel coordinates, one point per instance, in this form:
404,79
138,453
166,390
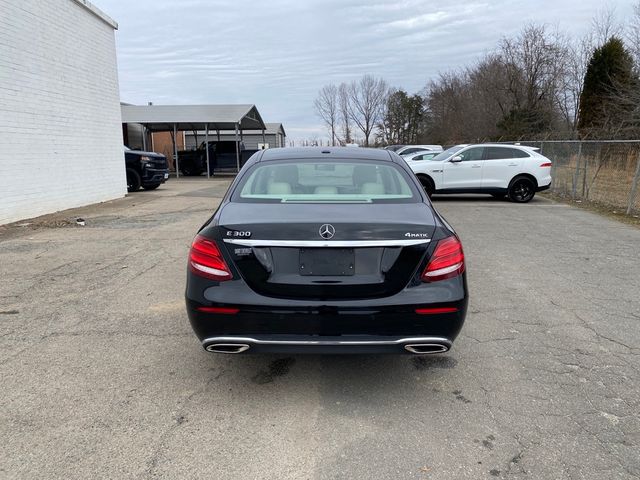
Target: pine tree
610,71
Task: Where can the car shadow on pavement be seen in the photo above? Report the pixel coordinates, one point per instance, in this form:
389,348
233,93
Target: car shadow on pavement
345,376
475,198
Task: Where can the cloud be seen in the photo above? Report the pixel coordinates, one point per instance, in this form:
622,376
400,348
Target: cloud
278,54
427,19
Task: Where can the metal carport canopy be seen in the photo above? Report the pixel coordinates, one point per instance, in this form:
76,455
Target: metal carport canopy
162,118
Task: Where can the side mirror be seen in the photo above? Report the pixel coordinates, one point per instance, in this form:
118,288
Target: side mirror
456,159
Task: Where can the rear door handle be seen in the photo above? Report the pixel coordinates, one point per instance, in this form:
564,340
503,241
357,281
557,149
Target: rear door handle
476,166
513,165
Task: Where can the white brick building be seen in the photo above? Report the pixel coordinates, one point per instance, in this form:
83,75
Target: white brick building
60,124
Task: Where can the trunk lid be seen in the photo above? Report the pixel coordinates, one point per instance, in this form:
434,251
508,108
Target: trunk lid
352,251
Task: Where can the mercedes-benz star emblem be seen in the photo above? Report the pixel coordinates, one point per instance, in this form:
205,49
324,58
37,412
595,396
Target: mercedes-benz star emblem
327,231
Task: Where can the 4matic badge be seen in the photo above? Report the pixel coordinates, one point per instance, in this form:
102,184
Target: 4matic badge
416,235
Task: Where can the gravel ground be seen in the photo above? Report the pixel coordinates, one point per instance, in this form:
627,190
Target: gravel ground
103,378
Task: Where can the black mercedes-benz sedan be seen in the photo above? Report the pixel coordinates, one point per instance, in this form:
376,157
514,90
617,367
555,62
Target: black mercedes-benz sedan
326,250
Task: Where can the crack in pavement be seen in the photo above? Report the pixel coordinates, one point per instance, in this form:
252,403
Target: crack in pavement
180,418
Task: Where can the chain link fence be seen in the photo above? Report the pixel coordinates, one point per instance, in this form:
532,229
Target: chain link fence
602,171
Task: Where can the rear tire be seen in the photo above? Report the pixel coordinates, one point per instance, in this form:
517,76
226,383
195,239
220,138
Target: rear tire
151,187
133,180
191,169
521,190
187,172
427,184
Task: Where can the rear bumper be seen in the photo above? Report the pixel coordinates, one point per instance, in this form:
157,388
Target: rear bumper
377,325
299,344
543,188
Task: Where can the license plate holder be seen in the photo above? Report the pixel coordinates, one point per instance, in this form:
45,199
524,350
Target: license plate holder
333,262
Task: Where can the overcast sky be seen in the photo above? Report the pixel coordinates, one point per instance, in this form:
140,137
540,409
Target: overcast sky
277,54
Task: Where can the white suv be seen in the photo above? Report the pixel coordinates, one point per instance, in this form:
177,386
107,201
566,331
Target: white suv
496,169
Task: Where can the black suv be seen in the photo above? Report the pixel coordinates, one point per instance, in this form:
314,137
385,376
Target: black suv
221,155
145,169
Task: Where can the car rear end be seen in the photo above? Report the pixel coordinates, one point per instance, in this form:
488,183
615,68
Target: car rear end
539,166
336,272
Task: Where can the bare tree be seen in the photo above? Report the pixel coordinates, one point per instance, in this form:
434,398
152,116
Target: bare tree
367,98
345,119
633,35
570,89
446,103
605,25
535,62
530,85
327,108
523,88
487,97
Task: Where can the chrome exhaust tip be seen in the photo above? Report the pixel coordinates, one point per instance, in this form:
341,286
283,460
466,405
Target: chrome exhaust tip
227,347
425,348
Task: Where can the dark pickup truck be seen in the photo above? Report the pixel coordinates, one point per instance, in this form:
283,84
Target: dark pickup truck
145,169
222,154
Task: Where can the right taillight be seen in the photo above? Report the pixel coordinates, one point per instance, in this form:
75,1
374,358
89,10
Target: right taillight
447,261
206,260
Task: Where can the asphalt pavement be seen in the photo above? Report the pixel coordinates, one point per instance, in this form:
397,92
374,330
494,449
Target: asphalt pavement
102,376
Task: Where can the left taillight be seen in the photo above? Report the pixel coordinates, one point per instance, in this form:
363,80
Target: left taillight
447,261
206,260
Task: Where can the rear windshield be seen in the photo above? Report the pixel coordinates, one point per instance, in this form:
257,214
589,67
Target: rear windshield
335,181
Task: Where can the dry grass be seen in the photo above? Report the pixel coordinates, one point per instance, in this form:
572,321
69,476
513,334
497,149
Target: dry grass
604,179
596,207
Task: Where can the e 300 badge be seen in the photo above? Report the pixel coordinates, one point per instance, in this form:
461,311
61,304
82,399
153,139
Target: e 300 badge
238,234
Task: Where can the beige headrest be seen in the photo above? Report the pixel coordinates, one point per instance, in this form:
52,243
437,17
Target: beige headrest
279,188
372,188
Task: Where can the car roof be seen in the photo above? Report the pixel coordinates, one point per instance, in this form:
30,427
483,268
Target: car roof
505,145
301,153
500,145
